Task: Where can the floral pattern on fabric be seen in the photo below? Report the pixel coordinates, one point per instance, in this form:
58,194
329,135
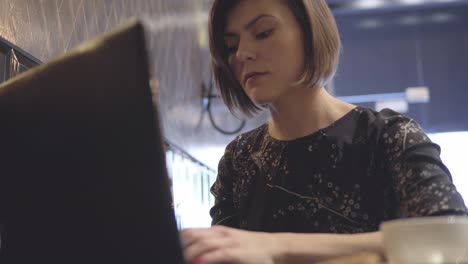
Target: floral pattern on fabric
366,168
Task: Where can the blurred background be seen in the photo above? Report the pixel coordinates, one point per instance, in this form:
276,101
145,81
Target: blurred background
408,55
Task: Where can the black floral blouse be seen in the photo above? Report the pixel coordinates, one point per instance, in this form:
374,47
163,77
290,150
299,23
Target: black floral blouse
349,177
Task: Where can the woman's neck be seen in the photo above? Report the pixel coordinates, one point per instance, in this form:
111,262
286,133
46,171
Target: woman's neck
303,112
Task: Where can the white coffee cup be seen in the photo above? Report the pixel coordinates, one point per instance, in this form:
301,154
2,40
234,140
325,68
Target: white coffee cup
418,240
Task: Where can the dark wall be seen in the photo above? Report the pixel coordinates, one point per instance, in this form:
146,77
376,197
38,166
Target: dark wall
388,51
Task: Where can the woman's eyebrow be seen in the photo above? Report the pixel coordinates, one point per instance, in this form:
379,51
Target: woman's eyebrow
249,25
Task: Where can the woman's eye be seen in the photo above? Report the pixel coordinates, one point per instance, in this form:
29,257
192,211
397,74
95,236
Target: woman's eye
264,34
232,49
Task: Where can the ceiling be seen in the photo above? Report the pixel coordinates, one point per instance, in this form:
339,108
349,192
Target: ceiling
343,7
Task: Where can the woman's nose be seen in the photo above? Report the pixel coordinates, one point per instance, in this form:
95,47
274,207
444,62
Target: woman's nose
245,53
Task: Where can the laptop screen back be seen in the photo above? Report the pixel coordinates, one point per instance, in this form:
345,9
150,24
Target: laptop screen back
82,165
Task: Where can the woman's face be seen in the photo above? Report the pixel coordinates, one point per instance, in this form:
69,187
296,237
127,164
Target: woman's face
266,50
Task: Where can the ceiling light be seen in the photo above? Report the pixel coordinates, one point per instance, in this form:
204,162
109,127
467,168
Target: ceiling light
413,2
442,17
365,4
370,23
411,20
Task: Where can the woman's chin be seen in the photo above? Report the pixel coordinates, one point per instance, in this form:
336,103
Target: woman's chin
261,101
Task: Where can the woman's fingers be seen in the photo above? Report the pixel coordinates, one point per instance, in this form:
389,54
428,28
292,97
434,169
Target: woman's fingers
220,256
222,245
190,236
196,242
206,246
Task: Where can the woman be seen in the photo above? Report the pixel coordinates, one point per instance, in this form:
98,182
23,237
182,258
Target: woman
317,180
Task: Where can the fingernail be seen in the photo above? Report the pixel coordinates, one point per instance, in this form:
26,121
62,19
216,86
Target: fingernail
197,260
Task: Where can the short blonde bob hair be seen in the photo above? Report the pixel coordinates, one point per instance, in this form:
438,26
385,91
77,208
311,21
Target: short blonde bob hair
321,48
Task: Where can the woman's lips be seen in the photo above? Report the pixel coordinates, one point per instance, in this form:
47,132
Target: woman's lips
252,77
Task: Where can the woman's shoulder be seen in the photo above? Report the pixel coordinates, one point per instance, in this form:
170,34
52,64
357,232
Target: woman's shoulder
386,120
393,131
383,118
247,140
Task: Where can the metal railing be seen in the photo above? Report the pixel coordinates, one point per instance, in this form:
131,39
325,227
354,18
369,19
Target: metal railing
191,182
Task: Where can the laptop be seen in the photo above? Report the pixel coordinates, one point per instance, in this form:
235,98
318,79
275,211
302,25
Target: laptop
82,167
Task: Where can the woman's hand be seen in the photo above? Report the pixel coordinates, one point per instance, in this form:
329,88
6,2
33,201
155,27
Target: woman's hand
220,244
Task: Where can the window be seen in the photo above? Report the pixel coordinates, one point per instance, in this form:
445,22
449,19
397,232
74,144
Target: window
454,146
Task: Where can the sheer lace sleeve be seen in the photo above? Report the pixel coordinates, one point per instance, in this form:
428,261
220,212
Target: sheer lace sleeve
223,212
422,183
